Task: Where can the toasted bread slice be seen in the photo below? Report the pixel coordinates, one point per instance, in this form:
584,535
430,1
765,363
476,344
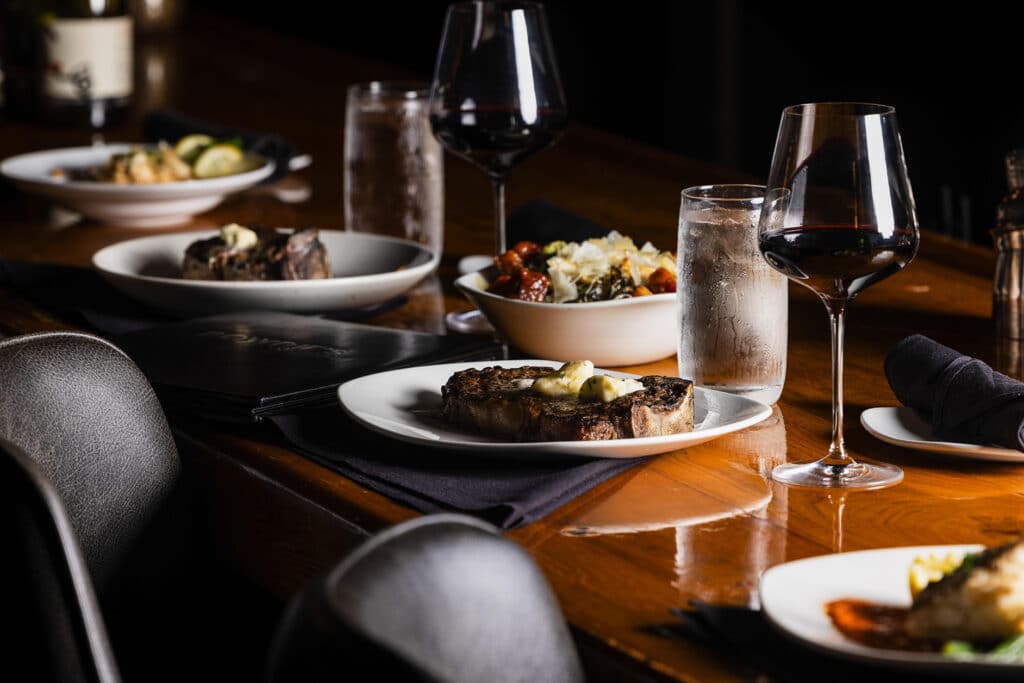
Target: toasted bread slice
499,402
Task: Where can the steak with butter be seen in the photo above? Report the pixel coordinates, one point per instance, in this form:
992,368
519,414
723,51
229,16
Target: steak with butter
510,403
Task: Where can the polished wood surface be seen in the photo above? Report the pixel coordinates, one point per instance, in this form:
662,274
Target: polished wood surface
699,523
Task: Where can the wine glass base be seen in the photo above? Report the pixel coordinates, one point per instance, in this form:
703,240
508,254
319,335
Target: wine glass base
855,476
468,322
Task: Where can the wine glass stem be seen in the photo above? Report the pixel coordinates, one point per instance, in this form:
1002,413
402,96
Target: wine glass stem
498,181
837,456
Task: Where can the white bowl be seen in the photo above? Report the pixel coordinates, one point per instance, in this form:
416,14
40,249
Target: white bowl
609,333
132,206
367,270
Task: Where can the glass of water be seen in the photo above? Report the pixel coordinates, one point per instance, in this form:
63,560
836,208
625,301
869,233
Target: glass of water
733,306
394,166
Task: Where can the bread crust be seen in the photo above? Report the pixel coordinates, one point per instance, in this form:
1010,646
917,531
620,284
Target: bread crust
499,402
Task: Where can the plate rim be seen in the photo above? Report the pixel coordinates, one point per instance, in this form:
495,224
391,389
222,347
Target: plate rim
426,267
98,190
948,448
851,650
587,449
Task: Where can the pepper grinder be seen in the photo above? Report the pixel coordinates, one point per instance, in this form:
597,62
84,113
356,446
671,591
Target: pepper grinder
1008,235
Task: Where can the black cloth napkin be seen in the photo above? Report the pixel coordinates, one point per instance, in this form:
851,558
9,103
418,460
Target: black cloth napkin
78,294
746,635
506,492
171,126
541,221
82,296
962,397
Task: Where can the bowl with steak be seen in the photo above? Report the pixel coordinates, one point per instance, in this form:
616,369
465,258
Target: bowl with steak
603,299
298,270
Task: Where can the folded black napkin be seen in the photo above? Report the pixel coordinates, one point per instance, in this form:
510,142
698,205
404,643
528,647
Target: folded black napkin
171,126
746,635
541,221
80,295
508,493
963,398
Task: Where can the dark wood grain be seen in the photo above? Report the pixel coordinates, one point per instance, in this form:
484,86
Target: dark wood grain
700,523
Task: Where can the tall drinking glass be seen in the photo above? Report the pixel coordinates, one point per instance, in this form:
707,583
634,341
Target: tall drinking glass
496,97
838,217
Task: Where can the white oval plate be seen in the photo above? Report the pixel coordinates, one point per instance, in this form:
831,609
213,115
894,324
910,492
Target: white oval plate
901,426
793,596
629,331
133,206
406,405
368,269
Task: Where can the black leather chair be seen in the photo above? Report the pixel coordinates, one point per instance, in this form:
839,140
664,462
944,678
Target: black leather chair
53,629
85,451
443,597
85,414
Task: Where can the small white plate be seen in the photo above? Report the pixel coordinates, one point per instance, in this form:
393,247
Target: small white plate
901,426
368,269
132,206
406,405
793,596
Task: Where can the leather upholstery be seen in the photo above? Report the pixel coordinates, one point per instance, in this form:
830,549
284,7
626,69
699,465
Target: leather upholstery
440,598
52,627
86,414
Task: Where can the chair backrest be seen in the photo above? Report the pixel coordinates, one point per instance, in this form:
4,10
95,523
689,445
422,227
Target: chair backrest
87,416
439,598
52,626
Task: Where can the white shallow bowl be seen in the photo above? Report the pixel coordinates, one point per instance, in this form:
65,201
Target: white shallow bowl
133,206
609,333
368,269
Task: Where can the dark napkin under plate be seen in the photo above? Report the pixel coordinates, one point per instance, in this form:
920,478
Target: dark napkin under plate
82,296
963,398
507,493
172,126
746,635
541,221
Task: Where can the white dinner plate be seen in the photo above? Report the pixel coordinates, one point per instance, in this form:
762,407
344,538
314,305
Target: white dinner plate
793,596
901,426
368,269
133,206
406,405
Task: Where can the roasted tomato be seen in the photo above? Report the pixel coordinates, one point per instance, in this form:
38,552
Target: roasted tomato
505,285
526,250
509,263
662,281
533,286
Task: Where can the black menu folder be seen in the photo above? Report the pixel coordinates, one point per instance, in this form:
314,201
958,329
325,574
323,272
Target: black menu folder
243,366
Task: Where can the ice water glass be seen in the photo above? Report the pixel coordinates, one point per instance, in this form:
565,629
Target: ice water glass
394,166
733,306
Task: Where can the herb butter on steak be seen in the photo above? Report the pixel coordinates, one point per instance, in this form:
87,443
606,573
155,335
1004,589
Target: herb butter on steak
501,402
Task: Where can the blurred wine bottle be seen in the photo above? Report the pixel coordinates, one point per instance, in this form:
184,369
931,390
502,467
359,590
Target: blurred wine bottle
84,71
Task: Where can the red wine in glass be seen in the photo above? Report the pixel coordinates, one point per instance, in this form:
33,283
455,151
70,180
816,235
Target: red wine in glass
499,139
838,261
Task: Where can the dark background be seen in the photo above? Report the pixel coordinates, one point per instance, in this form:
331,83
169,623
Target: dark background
709,79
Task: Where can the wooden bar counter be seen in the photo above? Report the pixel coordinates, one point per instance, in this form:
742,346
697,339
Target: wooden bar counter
702,523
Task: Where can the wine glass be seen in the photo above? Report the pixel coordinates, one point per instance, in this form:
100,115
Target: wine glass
496,97
838,217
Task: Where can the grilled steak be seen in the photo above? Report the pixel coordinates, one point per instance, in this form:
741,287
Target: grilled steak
276,256
500,402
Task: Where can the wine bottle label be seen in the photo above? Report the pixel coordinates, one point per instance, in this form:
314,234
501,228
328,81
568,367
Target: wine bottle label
88,59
